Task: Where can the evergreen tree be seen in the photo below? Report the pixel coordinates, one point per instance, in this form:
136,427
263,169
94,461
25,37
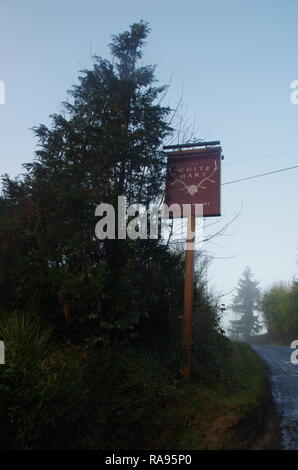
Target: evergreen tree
106,143
245,302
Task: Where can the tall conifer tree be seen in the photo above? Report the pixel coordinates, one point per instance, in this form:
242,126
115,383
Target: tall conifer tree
245,303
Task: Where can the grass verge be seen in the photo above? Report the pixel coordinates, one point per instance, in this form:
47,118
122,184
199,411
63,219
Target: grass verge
228,415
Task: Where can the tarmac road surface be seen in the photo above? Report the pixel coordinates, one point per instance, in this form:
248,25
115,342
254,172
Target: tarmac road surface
284,383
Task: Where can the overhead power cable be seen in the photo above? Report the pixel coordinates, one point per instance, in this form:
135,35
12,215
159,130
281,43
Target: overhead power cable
262,157
261,174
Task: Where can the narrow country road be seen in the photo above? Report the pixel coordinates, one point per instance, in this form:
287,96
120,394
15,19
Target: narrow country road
284,382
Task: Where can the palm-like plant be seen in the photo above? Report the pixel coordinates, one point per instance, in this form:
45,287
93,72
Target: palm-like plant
26,337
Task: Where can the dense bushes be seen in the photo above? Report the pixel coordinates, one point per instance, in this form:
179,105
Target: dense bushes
74,397
210,346
136,395
101,395
42,393
280,308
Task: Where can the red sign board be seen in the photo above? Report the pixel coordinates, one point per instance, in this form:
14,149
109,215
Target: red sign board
193,177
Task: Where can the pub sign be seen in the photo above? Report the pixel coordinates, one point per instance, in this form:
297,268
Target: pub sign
194,177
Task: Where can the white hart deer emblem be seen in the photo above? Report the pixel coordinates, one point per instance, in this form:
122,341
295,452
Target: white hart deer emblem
192,189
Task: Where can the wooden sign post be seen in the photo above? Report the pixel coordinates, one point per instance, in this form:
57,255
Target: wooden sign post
188,292
193,178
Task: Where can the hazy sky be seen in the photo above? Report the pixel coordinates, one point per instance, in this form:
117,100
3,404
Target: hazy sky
234,61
